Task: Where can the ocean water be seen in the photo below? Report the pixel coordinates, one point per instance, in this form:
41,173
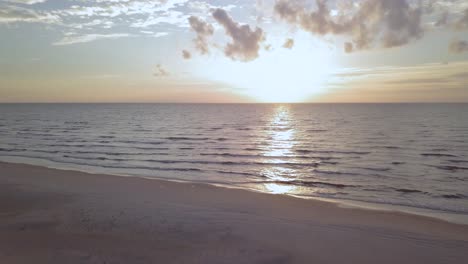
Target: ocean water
413,155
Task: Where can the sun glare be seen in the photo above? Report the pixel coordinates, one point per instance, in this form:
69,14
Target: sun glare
280,76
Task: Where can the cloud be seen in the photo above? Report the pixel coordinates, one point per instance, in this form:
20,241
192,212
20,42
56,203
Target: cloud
348,47
203,30
462,23
74,39
433,82
91,16
443,20
127,8
26,2
159,71
289,43
390,23
154,34
186,54
15,14
245,41
458,46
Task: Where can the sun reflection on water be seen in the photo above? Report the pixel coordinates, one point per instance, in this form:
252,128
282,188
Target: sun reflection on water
281,141
279,188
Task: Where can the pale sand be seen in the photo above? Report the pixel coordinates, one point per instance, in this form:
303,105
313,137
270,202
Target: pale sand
54,216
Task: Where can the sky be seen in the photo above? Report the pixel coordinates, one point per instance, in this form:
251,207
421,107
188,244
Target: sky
233,51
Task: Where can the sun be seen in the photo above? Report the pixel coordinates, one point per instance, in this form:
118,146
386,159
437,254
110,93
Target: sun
279,76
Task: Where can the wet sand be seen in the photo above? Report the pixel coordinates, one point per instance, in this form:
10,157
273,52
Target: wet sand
57,216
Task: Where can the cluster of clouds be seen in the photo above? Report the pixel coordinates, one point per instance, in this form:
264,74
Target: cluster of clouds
245,41
88,20
362,24
203,30
366,23
160,71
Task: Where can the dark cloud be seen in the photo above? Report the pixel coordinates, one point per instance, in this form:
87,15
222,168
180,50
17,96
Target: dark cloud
289,43
186,54
462,23
458,46
245,41
390,23
159,71
203,31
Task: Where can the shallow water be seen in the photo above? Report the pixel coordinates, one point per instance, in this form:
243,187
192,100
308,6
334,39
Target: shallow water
413,155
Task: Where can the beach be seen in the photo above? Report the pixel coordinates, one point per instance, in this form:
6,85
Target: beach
58,216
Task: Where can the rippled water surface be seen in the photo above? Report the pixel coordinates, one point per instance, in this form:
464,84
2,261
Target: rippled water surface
403,154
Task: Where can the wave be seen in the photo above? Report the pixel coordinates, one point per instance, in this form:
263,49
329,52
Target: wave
252,149
279,129
333,152
140,142
72,140
37,134
187,138
405,190
203,162
437,155
89,146
316,130
106,136
449,167
94,158
234,163
458,161
373,169
265,156
390,147
81,152
109,166
453,196
335,172
310,183
238,173
76,122
12,149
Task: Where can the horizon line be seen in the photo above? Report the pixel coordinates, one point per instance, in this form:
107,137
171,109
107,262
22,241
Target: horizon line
409,102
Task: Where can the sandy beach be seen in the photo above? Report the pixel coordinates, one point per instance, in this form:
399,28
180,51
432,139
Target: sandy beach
57,216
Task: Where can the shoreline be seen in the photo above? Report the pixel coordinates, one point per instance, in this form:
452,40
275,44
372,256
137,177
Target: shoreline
451,217
58,216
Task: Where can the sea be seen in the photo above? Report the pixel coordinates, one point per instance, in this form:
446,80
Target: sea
409,157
